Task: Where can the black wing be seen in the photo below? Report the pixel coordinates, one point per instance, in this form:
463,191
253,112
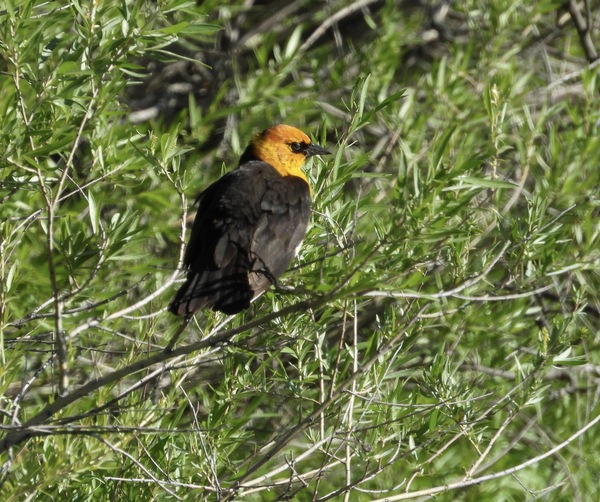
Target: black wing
248,226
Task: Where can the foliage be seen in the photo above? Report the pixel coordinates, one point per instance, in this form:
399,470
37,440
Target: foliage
438,333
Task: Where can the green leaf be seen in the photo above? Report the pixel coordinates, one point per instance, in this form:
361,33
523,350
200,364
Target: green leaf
94,214
468,181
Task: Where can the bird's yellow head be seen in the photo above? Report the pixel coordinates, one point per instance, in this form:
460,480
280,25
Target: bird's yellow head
285,148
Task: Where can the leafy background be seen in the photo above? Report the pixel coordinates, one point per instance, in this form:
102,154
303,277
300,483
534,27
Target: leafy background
438,333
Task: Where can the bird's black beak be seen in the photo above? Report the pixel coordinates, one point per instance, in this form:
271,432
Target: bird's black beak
314,149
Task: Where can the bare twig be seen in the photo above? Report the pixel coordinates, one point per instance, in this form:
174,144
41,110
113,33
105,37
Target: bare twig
177,334
450,292
26,431
492,442
140,466
332,20
90,306
584,30
288,435
497,475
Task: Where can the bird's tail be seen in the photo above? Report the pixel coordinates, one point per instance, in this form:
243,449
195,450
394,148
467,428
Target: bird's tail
226,291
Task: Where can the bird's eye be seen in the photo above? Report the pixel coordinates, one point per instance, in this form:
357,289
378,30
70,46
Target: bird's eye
296,147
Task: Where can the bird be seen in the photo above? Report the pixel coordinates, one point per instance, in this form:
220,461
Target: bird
249,224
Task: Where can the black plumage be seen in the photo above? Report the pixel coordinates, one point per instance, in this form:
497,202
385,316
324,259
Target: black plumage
246,232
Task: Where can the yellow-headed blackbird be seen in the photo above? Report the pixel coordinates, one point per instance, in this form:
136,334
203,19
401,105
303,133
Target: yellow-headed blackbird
249,224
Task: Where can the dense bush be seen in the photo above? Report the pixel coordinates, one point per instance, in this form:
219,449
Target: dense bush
438,333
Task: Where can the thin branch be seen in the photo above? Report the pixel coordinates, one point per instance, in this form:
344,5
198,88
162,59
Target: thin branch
132,388
442,294
177,334
137,463
332,21
350,410
288,435
488,449
163,483
91,306
584,30
20,434
450,292
497,475
25,388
